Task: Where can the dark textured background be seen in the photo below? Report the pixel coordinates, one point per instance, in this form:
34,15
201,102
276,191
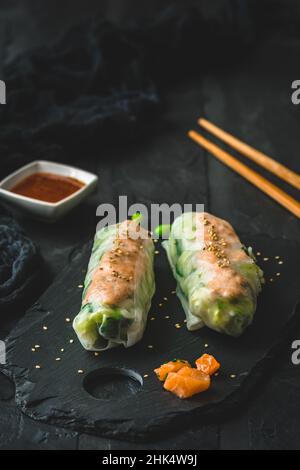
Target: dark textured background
250,98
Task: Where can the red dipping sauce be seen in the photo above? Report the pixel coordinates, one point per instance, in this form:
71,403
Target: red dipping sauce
48,187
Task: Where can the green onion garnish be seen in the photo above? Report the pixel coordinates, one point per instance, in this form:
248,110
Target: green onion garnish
137,217
163,229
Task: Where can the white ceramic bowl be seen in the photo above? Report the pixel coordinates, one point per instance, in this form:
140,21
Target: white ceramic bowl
41,209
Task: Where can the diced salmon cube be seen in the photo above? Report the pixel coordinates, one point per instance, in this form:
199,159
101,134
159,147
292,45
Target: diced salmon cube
172,366
187,382
207,364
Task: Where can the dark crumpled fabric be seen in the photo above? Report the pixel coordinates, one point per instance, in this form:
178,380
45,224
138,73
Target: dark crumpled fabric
20,263
100,82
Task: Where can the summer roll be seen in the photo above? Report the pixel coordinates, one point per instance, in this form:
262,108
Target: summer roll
218,280
118,288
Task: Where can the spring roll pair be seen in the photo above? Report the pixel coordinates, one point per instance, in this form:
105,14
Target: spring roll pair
217,280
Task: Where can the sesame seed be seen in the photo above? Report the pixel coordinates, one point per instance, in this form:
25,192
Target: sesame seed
71,341
45,328
266,259
68,320
37,366
96,354
165,298
167,316
58,359
173,292
152,318
206,345
145,376
277,274
33,349
150,346
277,257
258,253
160,305
156,252
37,346
80,371
177,325
62,350
280,262
271,279
232,376
185,320
80,286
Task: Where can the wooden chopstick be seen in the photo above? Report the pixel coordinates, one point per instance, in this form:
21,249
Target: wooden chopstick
255,178
258,157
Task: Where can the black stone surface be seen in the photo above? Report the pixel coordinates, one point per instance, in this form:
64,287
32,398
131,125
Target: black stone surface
101,401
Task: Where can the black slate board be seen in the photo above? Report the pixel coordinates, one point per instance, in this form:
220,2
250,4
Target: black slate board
57,394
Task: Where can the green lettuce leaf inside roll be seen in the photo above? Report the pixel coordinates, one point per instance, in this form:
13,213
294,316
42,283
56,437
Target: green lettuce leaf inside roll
217,281
118,288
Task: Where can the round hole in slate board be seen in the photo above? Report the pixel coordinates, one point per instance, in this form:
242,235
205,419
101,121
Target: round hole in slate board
109,383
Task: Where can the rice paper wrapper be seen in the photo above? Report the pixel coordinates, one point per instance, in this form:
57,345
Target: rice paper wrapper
230,314
115,304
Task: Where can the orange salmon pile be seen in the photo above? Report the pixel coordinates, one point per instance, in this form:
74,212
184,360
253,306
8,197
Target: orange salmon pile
185,381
